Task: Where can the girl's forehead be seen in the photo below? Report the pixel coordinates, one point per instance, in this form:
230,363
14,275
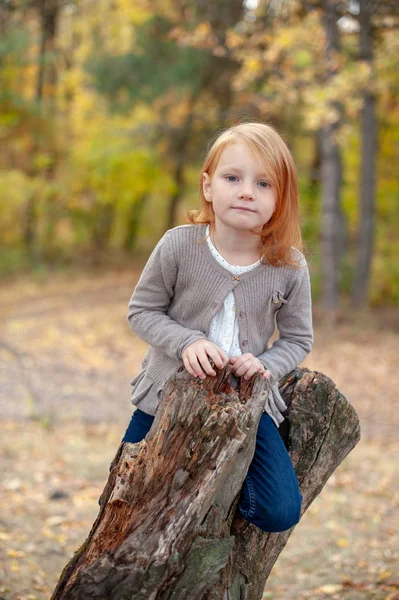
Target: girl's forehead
237,154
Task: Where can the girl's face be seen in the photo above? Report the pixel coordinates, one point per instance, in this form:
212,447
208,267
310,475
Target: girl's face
239,190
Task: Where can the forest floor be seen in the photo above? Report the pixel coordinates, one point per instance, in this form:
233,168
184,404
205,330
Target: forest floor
66,359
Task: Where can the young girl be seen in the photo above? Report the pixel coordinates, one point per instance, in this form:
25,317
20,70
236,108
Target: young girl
214,289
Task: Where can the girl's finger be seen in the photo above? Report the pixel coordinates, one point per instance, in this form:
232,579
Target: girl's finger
241,360
188,366
252,370
249,372
224,357
203,359
196,367
238,362
241,370
217,357
220,358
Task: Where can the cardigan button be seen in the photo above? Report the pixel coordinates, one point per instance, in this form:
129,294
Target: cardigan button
245,343
241,313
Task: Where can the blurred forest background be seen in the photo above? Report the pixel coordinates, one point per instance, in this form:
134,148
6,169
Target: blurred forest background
106,108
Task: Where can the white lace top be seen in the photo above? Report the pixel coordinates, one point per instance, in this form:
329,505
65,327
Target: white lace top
223,330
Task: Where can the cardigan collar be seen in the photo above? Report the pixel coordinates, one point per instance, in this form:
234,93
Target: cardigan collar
201,238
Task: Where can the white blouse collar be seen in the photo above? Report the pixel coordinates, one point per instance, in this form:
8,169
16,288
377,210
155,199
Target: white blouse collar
222,261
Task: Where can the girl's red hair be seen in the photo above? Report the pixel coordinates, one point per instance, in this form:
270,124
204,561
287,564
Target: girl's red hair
282,233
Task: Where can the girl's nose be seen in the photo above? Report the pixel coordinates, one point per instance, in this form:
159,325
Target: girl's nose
246,191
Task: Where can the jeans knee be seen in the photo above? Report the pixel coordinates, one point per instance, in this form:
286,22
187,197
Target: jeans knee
286,517
279,517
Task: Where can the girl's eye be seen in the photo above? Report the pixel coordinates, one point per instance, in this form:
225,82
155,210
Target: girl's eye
264,184
231,177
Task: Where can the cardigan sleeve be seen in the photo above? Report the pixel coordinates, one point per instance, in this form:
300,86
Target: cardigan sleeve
294,323
148,306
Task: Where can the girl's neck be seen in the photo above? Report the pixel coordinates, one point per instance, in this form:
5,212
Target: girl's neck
239,248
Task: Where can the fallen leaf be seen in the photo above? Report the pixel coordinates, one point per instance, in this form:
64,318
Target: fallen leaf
383,575
330,588
15,553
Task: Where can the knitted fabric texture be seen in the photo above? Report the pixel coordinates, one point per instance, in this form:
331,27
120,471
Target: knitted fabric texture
183,286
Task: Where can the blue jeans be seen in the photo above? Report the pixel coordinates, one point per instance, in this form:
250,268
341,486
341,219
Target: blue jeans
270,496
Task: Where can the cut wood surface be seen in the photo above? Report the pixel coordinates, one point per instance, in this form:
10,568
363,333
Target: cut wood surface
167,527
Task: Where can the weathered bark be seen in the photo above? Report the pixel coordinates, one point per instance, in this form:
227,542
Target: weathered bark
323,429
167,527
365,238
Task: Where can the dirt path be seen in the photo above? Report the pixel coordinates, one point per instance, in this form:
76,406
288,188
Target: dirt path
346,546
66,358
66,352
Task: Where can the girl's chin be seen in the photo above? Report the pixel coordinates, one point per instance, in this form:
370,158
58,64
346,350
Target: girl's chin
242,228
238,224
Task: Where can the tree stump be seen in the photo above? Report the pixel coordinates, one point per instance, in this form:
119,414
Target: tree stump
168,527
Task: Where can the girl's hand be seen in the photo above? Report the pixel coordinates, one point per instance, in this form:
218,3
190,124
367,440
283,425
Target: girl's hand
196,361
246,365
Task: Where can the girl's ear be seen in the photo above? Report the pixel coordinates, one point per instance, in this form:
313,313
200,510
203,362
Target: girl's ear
206,187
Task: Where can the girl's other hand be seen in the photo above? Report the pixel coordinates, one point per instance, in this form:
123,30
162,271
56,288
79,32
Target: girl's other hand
196,358
246,365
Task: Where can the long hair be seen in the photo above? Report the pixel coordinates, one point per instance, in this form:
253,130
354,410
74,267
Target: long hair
281,234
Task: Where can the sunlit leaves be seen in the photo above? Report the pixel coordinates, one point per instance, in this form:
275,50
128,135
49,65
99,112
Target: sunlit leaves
157,70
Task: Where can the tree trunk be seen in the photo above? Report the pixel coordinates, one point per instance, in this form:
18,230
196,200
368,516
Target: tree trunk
315,167
333,224
178,180
332,219
167,528
133,220
365,239
48,11
102,226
